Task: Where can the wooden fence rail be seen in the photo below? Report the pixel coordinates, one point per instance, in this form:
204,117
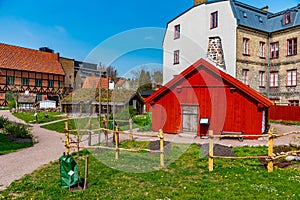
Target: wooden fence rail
270,158
116,132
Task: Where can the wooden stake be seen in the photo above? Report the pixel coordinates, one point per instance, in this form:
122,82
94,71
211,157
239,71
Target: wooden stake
90,133
67,142
86,171
211,151
161,144
117,143
270,150
130,127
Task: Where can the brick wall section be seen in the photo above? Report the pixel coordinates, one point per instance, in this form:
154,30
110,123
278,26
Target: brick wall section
254,63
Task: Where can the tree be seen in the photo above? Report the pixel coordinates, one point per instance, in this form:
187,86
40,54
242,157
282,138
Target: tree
112,73
157,76
144,81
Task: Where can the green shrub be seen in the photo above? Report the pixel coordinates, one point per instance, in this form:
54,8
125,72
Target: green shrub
11,104
3,121
16,130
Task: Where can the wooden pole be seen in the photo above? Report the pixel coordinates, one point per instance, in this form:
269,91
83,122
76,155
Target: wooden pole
161,144
130,127
211,151
117,143
99,132
105,132
86,172
270,150
90,133
67,142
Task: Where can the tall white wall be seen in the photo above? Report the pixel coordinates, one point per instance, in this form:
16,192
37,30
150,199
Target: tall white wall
194,35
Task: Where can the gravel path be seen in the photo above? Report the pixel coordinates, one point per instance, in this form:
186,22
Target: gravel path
15,165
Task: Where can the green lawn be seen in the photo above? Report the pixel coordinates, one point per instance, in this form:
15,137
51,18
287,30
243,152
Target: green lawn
73,124
186,178
29,117
6,146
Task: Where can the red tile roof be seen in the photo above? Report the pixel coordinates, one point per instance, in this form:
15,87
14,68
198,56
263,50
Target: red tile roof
204,64
94,82
20,58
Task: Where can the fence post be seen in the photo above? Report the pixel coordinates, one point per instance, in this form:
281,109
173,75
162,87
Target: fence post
161,144
105,131
67,142
130,127
270,150
90,133
99,133
211,151
117,142
86,171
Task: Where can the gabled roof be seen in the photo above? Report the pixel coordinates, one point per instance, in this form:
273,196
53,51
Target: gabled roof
94,82
259,19
226,77
20,58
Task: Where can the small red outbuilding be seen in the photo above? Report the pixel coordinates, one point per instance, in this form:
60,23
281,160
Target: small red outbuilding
203,97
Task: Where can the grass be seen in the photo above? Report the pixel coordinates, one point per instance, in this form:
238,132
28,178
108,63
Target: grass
7,147
73,124
285,122
29,117
186,178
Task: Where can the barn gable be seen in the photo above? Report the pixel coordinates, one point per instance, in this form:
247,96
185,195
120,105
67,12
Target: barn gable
203,91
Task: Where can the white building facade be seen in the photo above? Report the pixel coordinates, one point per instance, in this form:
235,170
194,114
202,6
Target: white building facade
189,36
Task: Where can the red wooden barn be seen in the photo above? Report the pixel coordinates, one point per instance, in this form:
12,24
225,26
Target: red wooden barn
202,93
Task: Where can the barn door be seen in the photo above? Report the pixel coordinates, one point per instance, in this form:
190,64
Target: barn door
189,118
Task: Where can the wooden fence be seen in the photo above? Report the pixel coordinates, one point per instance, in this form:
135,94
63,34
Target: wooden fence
116,132
270,158
290,113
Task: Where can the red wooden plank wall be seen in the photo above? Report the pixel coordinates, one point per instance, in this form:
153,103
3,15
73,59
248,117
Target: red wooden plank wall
291,113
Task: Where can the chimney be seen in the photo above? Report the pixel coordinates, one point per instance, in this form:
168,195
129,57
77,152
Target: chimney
197,2
46,49
266,8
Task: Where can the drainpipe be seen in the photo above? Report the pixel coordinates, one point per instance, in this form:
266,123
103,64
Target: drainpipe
268,69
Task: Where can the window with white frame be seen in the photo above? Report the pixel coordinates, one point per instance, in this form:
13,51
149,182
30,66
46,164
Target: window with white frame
246,45
177,31
246,76
176,57
262,46
261,79
274,79
274,50
291,77
291,46
214,20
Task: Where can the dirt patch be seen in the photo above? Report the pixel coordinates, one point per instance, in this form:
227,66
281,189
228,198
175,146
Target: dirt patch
219,150
155,145
282,162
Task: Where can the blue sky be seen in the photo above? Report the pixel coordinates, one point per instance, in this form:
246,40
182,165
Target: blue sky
78,29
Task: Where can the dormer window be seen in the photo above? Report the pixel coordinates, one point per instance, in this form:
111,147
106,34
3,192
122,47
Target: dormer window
260,19
244,14
287,18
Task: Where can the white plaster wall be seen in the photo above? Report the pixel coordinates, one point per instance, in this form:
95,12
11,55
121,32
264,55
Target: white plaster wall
194,34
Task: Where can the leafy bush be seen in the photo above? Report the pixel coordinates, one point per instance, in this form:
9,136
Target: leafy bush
16,130
11,104
126,113
3,121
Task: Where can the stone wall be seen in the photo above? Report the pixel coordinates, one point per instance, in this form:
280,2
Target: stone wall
215,51
254,63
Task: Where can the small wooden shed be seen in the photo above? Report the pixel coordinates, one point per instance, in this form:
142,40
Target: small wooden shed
203,97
